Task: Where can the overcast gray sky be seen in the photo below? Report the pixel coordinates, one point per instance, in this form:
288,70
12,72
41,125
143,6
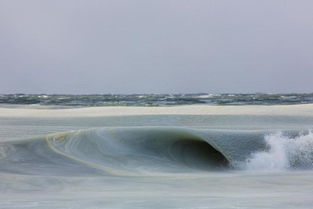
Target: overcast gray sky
156,46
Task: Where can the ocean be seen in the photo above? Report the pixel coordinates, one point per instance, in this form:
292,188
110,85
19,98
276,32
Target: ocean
180,151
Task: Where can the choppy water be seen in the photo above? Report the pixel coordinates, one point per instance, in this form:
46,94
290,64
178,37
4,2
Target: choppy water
156,99
158,161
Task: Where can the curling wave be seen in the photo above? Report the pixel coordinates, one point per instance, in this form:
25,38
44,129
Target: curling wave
155,150
113,151
144,150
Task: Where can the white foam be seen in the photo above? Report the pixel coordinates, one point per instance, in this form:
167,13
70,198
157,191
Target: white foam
206,96
283,153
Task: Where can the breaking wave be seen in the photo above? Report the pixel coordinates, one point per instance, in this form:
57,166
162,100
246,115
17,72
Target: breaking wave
283,152
155,150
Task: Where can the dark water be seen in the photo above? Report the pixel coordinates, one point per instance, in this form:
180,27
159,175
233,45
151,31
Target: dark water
156,99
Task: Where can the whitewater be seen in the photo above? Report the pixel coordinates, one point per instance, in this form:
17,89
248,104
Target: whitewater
179,157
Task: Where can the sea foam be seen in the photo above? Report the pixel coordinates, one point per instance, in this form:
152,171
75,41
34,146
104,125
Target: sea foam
283,152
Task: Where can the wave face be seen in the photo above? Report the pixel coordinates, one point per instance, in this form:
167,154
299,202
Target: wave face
114,151
141,150
151,151
155,99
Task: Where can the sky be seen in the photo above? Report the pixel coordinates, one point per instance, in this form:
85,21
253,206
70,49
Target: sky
156,46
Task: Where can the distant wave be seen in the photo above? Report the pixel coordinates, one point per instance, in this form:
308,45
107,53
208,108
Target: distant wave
152,151
154,99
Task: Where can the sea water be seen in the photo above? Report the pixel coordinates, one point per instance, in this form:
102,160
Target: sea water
196,156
